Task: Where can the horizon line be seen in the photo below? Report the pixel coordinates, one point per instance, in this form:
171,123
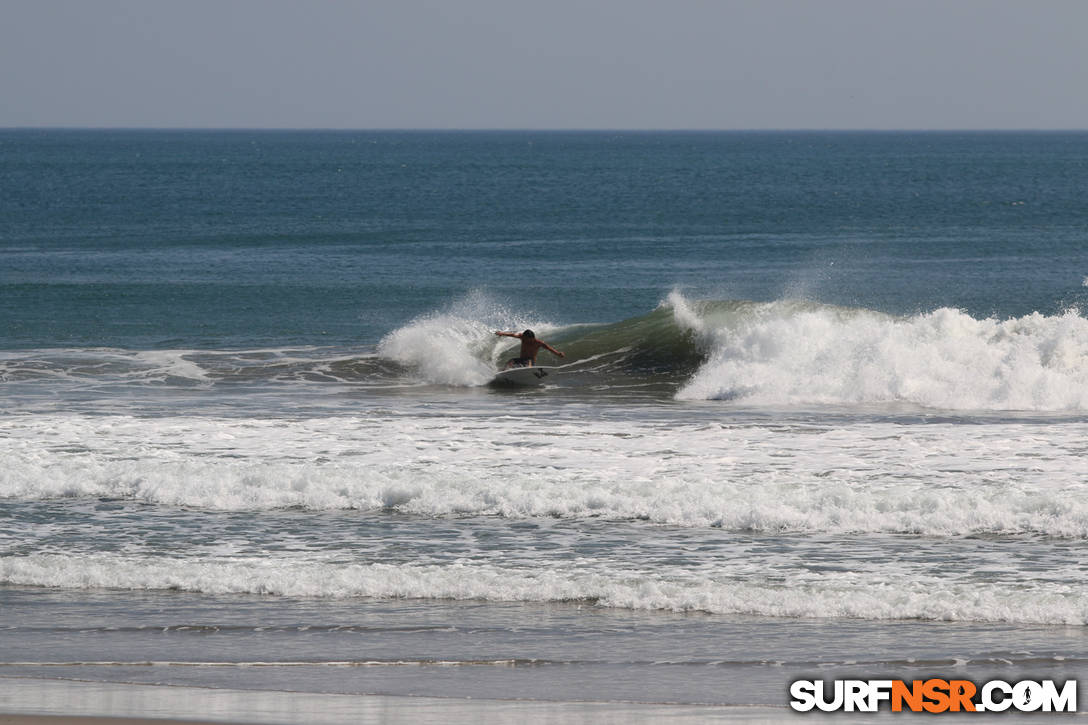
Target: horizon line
542,129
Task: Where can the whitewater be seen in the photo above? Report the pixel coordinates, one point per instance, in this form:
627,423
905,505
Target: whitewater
678,469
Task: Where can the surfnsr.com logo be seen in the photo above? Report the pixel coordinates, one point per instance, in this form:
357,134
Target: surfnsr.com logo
933,695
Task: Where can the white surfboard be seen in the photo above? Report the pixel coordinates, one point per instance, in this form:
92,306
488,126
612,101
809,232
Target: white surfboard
524,377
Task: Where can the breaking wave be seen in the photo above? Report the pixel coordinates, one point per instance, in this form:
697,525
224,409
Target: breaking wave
840,594
786,352
781,353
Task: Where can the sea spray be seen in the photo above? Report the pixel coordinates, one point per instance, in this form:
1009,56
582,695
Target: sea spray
686,317
456,346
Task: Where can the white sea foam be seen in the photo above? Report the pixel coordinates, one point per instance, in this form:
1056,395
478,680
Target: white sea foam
946,359
798,594
456,346
936,479
80,365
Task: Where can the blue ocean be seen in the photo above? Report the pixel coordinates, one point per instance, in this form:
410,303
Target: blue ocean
823,411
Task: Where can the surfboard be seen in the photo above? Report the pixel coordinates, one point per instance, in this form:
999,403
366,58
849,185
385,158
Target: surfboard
524,377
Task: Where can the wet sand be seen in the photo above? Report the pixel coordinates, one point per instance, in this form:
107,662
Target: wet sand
66,702
402,710
41,702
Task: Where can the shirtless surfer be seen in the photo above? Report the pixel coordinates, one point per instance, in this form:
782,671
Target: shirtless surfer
530,346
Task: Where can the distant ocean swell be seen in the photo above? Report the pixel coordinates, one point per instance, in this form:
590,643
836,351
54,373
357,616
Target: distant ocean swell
938,479
866,595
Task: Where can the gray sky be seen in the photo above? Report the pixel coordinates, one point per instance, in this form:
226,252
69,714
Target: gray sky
620,64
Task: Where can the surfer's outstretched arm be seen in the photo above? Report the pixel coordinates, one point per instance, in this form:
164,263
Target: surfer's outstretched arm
551,349
507,334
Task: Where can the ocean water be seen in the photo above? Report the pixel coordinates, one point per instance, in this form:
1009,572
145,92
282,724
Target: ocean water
823,411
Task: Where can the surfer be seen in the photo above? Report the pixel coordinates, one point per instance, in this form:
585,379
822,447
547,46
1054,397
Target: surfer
530,346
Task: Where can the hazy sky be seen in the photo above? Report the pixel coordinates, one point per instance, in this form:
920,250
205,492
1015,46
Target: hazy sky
730,64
